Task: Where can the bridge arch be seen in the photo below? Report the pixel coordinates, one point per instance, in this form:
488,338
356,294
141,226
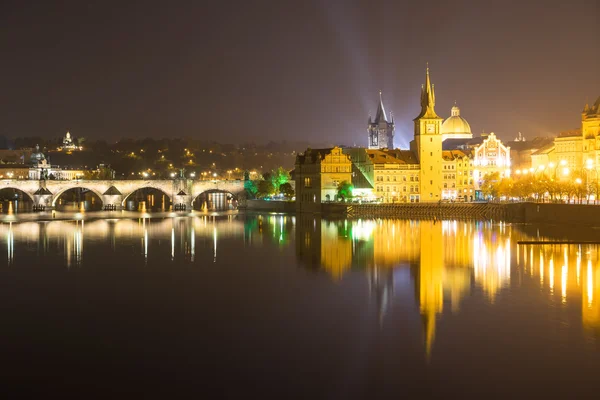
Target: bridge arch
147,188
62,191
29,195
215,200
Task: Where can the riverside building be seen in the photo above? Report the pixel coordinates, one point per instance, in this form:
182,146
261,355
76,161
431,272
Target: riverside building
443,163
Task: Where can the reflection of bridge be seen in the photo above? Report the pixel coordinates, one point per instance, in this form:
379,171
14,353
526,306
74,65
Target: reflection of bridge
114,193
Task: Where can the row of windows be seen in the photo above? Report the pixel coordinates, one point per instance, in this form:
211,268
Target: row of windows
328,168
412,188
413,178
451,166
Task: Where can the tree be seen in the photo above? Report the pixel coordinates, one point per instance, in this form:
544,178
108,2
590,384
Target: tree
251,188
344,190
489,186
287,190
278,177
265,189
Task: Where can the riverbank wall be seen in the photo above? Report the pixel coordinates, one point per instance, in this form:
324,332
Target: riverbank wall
534,213
269,206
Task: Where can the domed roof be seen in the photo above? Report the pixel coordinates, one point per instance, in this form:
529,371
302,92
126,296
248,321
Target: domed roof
37,156
455,123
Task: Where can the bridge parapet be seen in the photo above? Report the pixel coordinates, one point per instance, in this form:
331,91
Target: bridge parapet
114,193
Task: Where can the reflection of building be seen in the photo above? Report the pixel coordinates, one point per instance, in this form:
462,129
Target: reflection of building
381,129
569,273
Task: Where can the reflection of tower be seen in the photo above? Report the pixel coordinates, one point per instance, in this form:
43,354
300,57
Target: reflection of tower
381,285
429,279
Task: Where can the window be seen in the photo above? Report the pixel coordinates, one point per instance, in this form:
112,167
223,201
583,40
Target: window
307,183
431,154
412,178
445,185
431,182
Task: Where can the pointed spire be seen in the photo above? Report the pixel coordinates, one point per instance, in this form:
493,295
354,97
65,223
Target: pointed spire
380,114
427,98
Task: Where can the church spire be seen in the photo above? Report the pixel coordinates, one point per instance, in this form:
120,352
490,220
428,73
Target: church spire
427,98
380,114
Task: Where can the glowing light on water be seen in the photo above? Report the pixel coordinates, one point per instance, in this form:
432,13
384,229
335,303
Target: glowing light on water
590,284
10,243
172,243
563,283
214,244
551,276
193,244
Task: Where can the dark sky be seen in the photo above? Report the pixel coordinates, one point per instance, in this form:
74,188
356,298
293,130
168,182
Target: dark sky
295,70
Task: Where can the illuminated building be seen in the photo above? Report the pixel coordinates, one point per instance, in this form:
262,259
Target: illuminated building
14,171
492,156
427,145
69,144
42,169
381,129
576,150
444,161
457,175
392,175
318,174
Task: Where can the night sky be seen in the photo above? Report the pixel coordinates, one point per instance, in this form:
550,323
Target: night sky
239,71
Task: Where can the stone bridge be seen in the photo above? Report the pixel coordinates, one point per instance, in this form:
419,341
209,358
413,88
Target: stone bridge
114,193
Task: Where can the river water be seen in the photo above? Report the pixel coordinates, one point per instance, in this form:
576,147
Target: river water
279,306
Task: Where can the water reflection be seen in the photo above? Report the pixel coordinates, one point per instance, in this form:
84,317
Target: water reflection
448,262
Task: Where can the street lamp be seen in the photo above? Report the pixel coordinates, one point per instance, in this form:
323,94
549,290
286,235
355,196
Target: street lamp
229,172
193,175
173,174
145,174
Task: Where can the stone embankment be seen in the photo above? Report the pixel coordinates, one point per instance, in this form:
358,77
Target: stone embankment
479,211
538,213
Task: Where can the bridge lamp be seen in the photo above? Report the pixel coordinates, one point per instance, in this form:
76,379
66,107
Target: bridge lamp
215,174
145,174
193,175
172,174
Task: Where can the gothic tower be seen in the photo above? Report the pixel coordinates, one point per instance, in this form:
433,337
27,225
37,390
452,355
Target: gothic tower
381,130
428,145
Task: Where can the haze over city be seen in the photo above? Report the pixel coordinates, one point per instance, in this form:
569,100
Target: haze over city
282,70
